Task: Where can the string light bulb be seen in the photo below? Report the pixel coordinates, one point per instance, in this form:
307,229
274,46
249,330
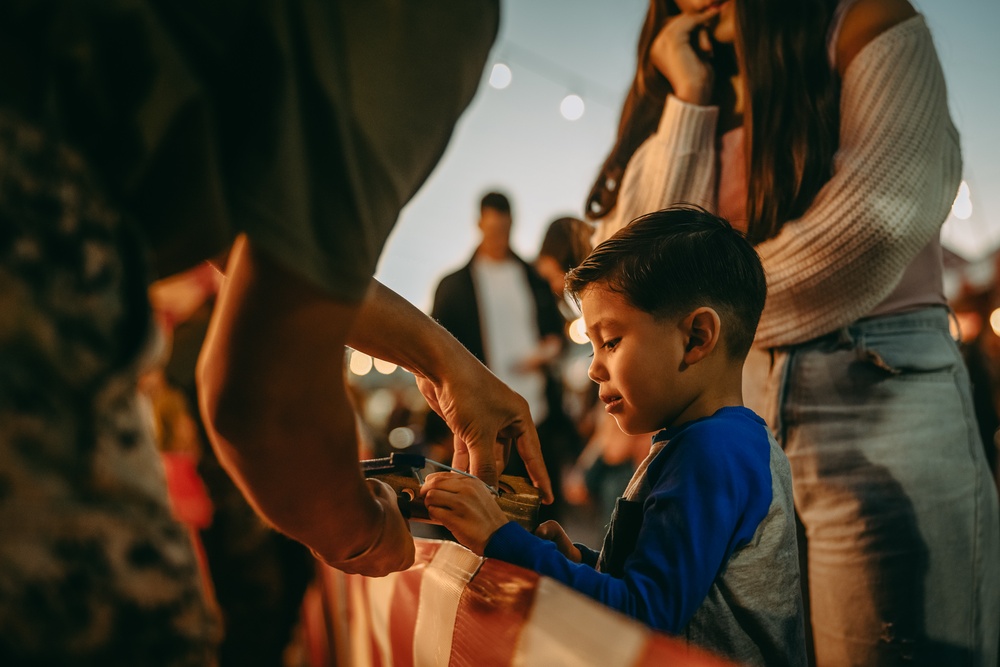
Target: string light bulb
384,367
500,76
572,107
361,363
962,208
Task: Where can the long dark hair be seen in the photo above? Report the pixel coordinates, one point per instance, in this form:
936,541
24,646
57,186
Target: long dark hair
790,111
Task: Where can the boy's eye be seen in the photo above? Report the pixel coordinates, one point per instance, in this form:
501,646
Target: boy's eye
612,344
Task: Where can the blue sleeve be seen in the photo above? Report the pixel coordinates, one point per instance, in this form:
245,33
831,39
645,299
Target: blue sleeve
587,555
707,500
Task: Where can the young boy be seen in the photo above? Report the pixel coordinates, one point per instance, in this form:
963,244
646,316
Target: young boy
702,544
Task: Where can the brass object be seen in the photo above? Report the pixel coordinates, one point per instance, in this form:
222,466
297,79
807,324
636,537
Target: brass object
518,499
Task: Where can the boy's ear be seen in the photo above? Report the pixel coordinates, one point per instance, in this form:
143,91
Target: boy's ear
703,329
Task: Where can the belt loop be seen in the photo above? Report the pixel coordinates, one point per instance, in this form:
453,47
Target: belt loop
955,328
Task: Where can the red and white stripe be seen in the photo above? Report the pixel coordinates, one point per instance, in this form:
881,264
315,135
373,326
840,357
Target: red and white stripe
453,608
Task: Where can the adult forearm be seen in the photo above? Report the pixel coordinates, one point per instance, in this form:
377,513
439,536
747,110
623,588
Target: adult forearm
275,406
675,165
391,328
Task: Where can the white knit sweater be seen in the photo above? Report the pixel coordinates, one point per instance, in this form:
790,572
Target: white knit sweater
895,177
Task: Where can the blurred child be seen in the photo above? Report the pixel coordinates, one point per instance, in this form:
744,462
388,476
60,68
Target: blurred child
702,544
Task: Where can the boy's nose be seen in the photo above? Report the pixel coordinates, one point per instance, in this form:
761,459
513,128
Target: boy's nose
597,372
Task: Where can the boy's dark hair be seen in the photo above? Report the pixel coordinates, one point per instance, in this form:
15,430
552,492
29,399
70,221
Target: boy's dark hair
496,201
675,260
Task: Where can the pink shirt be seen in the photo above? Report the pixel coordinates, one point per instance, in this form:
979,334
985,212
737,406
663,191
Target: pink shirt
733,179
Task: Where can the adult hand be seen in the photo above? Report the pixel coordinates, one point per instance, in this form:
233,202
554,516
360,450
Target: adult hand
465,506
486,417
553,532
392,549
686,67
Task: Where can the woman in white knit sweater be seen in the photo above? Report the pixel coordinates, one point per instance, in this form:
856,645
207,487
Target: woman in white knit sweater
821,127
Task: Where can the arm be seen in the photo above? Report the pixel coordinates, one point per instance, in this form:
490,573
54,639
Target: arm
483,413
275,406
895,176
691,524
674,165
677,163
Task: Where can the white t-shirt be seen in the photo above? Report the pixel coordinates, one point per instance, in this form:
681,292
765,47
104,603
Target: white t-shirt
510,328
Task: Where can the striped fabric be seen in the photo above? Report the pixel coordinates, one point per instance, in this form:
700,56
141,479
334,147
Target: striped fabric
455,609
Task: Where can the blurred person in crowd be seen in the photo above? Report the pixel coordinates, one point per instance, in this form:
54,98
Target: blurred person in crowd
274,130
821,127
565,244
981,351
505,314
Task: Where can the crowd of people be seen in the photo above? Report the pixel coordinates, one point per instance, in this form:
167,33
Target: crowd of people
780,432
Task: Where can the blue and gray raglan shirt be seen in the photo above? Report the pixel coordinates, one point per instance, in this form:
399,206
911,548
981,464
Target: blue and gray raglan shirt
715,558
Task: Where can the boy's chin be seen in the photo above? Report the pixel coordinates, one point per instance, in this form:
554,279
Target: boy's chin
627,426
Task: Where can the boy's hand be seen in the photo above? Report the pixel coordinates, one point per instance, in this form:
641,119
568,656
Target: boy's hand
465,506
553,532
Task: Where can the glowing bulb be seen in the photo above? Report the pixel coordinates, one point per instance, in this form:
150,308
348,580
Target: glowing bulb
500,76
965,325
995,321
384,367
578,332
401,437
572,107
361,363
962,208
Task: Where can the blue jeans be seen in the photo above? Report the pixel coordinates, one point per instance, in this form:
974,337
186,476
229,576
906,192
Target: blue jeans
891,484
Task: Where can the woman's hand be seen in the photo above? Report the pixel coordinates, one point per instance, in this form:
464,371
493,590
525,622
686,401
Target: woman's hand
686,68
465,506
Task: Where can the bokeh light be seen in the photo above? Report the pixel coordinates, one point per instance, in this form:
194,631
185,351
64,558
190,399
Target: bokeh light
965,326
962,208
572,107
995,321
361,363
401,437
500,76
578,332
384,367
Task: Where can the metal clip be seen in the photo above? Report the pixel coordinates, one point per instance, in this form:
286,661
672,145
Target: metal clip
405,474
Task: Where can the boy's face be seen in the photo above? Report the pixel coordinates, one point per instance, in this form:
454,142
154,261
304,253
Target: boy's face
638,362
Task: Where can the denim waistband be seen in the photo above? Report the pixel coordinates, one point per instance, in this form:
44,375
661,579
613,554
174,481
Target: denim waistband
928,318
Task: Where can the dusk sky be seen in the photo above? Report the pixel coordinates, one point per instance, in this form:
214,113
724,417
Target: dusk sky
515,139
